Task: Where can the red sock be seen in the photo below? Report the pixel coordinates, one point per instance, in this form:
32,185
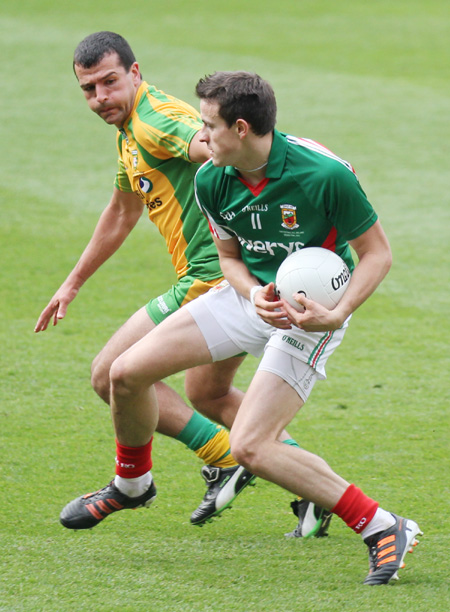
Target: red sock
355,508
132,461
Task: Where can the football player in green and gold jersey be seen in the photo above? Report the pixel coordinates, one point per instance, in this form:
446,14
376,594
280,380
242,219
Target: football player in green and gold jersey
159,153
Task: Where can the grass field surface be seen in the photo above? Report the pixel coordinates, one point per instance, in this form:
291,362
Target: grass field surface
370,81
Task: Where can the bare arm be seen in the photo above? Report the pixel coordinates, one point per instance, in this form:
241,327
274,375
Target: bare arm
198,151
114,225
375,260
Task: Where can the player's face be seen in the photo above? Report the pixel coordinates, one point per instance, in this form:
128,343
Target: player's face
109,89
223,142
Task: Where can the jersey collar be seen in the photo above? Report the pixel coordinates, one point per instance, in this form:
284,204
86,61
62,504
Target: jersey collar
140,92
277,158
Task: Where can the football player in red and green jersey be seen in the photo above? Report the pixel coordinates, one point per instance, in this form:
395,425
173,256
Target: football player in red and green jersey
265,195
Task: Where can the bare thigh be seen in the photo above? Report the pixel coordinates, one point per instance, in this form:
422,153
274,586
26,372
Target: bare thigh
269,406
174,345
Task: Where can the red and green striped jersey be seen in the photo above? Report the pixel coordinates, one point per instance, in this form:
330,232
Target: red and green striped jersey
154,163
309,197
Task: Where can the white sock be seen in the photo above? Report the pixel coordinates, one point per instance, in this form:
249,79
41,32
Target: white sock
134,487
381,521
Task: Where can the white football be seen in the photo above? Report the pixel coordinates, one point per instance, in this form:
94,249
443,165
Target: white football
317,273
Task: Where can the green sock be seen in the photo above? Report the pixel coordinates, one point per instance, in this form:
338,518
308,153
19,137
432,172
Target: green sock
197,432
208,440
291,442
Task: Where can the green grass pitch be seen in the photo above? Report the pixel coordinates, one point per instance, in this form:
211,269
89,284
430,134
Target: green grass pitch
370,81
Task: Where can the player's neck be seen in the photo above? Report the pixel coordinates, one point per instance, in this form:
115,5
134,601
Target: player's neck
253,162
253,177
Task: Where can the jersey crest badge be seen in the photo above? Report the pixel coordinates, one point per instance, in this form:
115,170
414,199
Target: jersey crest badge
145,185
289,216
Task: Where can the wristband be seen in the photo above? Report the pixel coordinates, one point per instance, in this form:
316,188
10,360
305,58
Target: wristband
253,290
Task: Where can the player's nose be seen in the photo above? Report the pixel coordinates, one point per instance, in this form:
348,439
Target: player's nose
101,94
203,135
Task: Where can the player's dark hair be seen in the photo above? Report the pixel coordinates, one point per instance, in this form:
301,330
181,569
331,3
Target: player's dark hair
94,47
241,95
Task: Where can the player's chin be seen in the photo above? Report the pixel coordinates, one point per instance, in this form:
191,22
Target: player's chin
218,160
109,116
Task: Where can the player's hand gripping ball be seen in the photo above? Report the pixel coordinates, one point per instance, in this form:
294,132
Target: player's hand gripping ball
318,274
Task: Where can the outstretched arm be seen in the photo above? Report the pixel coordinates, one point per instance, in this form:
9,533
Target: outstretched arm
114,225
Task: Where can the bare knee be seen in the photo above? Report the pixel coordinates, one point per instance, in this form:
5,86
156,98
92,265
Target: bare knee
137,326
205,397
202,388
123,381
100,380
219,408
246,451
196,394
211,392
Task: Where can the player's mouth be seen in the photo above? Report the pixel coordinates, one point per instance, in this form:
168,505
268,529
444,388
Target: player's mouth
106,110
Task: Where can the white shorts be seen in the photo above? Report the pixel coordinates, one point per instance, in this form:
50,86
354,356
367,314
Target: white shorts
230,326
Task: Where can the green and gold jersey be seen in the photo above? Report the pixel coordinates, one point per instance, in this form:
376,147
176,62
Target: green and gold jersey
309,197
154,163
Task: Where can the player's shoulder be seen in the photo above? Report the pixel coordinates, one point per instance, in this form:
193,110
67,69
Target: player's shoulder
156,100
315,150
308,157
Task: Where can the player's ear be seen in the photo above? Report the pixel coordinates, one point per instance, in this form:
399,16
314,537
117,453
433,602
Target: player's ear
134,69
242,128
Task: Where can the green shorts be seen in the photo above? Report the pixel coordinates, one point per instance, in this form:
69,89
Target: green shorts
185,290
